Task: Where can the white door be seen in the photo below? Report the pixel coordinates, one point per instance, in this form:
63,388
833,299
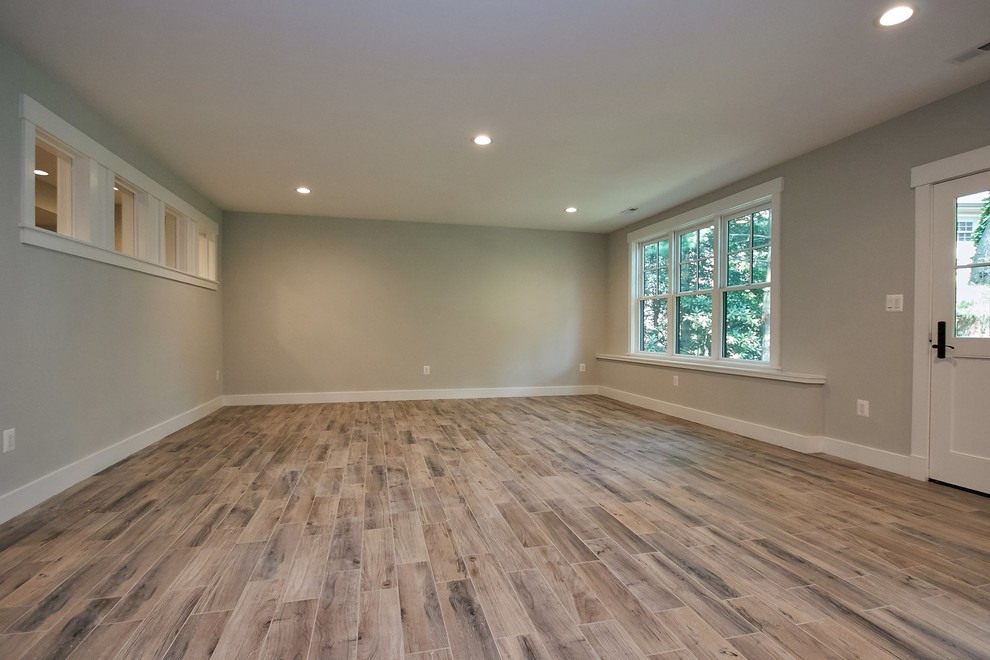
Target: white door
960,385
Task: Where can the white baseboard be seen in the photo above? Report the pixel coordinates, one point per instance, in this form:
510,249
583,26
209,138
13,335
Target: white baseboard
909,466
405,395
875,458
23,498
805,444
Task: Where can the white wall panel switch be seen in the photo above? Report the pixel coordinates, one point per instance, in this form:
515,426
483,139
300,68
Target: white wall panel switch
895,302
9,442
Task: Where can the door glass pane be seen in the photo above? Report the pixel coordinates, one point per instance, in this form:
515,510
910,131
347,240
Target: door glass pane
972,245
972,304
694,325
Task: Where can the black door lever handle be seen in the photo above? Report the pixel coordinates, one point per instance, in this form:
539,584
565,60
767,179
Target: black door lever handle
941,345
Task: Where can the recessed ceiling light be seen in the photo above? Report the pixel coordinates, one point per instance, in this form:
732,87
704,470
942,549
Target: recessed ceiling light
303,190
571,209
482,140
41,173
895,15
116,188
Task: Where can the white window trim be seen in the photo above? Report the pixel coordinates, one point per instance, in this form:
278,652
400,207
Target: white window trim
768,193
758,371
68,245
89,153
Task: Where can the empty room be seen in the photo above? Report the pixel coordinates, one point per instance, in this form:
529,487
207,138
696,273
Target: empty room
512,331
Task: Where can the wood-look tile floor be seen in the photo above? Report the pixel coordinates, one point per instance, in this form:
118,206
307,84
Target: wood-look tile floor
515,529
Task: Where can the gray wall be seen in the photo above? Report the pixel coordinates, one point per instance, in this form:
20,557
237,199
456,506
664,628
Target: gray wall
847,240
332,305
90,354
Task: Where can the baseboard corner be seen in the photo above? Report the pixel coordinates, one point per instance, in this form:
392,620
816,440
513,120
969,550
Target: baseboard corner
806,444
913,466
35,492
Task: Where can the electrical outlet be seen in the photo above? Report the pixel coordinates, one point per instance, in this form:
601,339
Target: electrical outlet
426,370
582,367
9,441
676,381
862,408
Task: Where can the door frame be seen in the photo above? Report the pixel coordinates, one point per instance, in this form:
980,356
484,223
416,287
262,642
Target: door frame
924,178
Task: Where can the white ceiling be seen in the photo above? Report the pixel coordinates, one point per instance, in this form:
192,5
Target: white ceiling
601,105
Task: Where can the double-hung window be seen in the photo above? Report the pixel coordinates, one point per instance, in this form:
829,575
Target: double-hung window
703,287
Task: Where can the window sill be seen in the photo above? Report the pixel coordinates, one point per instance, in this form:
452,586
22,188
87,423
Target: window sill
61,243
750,372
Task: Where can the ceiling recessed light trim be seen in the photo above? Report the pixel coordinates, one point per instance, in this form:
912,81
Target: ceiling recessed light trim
482,140
570,209
895,15
41,173
303,190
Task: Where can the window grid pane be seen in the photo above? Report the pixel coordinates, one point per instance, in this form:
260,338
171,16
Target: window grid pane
761,228
653,303
653,321
52,188
124,218
746,334
748,249
697,263
739,234
656,264
694,325
740,269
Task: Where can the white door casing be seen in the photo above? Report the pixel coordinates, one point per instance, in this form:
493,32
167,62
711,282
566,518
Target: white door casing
960,382
950,436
